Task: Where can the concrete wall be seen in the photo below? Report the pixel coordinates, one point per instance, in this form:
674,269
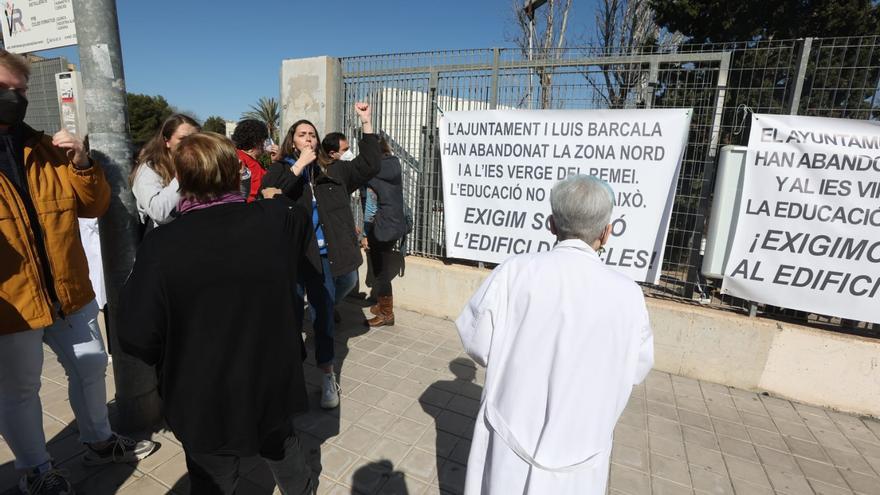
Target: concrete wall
799,363
311,89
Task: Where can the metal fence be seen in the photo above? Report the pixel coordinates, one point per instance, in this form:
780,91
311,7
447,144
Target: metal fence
832,77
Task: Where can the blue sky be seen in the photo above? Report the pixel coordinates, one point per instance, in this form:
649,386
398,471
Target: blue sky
217,57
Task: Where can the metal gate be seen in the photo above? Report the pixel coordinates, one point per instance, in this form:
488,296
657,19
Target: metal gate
832,77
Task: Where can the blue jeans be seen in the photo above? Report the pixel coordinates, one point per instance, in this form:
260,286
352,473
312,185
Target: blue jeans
343,284
321,290
76,340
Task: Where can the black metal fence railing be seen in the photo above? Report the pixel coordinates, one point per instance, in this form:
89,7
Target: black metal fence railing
832,77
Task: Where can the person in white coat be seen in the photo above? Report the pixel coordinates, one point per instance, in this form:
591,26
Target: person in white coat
564,339
153,181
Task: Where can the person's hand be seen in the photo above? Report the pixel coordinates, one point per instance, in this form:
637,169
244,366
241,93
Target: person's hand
363,112
73,146
274,152
306,157
271,192
365,244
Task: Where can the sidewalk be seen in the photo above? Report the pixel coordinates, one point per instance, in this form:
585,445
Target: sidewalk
409,401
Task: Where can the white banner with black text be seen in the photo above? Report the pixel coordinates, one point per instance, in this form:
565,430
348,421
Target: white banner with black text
807,234
500,165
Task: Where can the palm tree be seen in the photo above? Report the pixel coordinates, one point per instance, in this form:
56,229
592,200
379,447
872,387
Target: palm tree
267,111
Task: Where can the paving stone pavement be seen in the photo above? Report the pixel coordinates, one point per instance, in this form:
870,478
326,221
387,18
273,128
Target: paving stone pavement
409,401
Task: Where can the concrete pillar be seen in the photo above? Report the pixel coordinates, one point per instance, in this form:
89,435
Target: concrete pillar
311,88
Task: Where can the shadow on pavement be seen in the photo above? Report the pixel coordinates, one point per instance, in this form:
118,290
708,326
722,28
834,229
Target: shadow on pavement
66,451
379,477
454,419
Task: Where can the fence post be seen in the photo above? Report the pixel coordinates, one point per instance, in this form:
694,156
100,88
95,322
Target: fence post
430,166
723,74
708,178
493,97
653,81
803,62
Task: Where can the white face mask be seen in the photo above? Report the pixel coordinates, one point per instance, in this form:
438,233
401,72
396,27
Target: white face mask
347,156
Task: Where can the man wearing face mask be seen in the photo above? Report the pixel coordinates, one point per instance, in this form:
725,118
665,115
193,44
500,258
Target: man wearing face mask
45,293
336,146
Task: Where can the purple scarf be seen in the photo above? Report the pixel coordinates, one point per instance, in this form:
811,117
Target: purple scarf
186,205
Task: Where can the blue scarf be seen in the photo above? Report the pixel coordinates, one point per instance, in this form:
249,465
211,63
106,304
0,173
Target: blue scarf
316,221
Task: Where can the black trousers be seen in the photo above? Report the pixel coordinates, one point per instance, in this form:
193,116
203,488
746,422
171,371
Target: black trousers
382,260
211,474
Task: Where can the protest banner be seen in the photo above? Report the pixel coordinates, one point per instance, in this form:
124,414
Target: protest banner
500,165
34,25
807,231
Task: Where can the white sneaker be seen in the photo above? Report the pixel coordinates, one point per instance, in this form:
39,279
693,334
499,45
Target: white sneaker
329,391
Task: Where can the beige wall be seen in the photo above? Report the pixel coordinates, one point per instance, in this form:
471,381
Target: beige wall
311,89
799,363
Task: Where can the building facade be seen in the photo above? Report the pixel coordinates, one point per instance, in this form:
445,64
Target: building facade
44,112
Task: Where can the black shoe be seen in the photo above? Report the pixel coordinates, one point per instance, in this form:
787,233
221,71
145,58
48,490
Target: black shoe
51,482
120,450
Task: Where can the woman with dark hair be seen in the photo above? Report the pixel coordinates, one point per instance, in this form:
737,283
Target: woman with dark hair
388,227
250,138
323,186
228,357
152,179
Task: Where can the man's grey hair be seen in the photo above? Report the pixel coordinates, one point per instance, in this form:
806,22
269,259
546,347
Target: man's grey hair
581,207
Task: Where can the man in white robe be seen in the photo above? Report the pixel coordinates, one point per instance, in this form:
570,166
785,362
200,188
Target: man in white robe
564,339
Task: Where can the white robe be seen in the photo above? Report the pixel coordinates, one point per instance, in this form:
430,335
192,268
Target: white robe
564,338
91,241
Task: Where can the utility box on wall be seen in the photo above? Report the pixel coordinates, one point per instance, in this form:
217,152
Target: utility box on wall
725,209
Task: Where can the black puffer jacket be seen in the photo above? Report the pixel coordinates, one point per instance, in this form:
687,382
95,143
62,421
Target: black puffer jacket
389,224
333,187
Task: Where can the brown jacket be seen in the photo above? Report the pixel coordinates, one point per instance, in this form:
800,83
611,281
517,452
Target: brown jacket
60,193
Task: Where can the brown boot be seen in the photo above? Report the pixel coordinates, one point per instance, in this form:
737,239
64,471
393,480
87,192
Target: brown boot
385,317
374,309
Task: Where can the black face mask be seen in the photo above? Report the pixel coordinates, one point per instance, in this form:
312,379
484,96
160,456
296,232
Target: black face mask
13,107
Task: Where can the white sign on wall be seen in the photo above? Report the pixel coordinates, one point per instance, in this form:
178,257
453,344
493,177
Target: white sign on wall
34,25
808,233
500,165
